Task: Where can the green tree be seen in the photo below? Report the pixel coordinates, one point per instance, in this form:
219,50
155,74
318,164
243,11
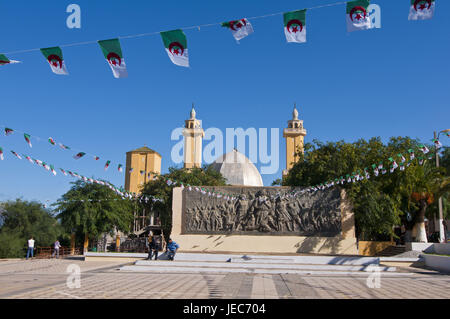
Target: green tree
159,188
379,203
22,219
93,209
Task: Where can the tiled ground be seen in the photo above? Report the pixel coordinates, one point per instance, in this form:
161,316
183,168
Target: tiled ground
47,279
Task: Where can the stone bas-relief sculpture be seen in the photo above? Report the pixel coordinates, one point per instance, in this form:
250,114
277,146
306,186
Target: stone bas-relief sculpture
263,211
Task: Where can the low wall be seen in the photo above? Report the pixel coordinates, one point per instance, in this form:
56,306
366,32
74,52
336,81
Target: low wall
371,248
343,244
441,263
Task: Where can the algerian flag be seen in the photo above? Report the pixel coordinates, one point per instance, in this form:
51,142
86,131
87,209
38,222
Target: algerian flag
411,154
402,167
423,148
53,170
239,28
107,165
63,171
142,173
29,159
64,147
46,166
437,143
8,131
421,9
4,60
113,55
55,59
79,155
394,163
130,170
176,47
120,168
1,154
38,162
295,26
358,16
27,139
96,158
403,159
51,141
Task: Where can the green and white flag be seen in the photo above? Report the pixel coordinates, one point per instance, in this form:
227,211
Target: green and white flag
27,139
113,55
8,131
16,155
79,155
53,170
295,26
239,28
1,154
421,9
51,141
358,15
4,60
107,165
120,168
175,43
55,59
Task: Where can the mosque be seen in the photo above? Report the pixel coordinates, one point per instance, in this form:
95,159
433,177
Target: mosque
237,169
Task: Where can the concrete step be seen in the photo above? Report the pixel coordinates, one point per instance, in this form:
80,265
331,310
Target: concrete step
255,265
388,271
269,259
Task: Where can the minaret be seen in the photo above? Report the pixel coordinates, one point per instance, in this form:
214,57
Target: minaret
294,135
193,135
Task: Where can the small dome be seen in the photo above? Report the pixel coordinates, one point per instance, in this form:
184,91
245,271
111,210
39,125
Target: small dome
237,169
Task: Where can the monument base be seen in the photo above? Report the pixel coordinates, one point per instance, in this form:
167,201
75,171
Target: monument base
266,244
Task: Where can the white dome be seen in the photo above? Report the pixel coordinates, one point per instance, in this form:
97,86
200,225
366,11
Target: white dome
237,169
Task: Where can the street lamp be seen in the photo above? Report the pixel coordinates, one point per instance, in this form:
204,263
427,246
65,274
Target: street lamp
441,217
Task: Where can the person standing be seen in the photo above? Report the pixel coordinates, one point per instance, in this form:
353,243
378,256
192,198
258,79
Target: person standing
30,247
172,248
153,249
56,247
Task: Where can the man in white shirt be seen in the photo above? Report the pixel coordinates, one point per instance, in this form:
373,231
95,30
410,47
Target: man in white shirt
57,245
30,247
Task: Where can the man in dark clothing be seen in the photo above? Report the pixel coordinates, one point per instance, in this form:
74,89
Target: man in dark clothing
171,249
152,248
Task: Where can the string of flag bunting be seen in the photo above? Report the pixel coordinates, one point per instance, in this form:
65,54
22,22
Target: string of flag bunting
9,131
356,176
175,41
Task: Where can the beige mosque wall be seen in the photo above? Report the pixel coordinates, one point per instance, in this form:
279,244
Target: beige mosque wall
344,244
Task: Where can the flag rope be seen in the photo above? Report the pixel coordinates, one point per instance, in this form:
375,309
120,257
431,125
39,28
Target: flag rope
139,35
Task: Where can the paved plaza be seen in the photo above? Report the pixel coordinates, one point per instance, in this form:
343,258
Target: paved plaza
47,278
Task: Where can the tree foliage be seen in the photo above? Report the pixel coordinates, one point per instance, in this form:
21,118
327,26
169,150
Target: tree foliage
159,188
22,219
94,209
380,202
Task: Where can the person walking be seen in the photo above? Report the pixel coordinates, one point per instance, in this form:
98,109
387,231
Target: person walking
171,249
30,247
56,247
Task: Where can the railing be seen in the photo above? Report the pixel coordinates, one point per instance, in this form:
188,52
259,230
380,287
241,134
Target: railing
64,252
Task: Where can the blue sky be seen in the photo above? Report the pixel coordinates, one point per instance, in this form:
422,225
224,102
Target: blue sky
392,81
